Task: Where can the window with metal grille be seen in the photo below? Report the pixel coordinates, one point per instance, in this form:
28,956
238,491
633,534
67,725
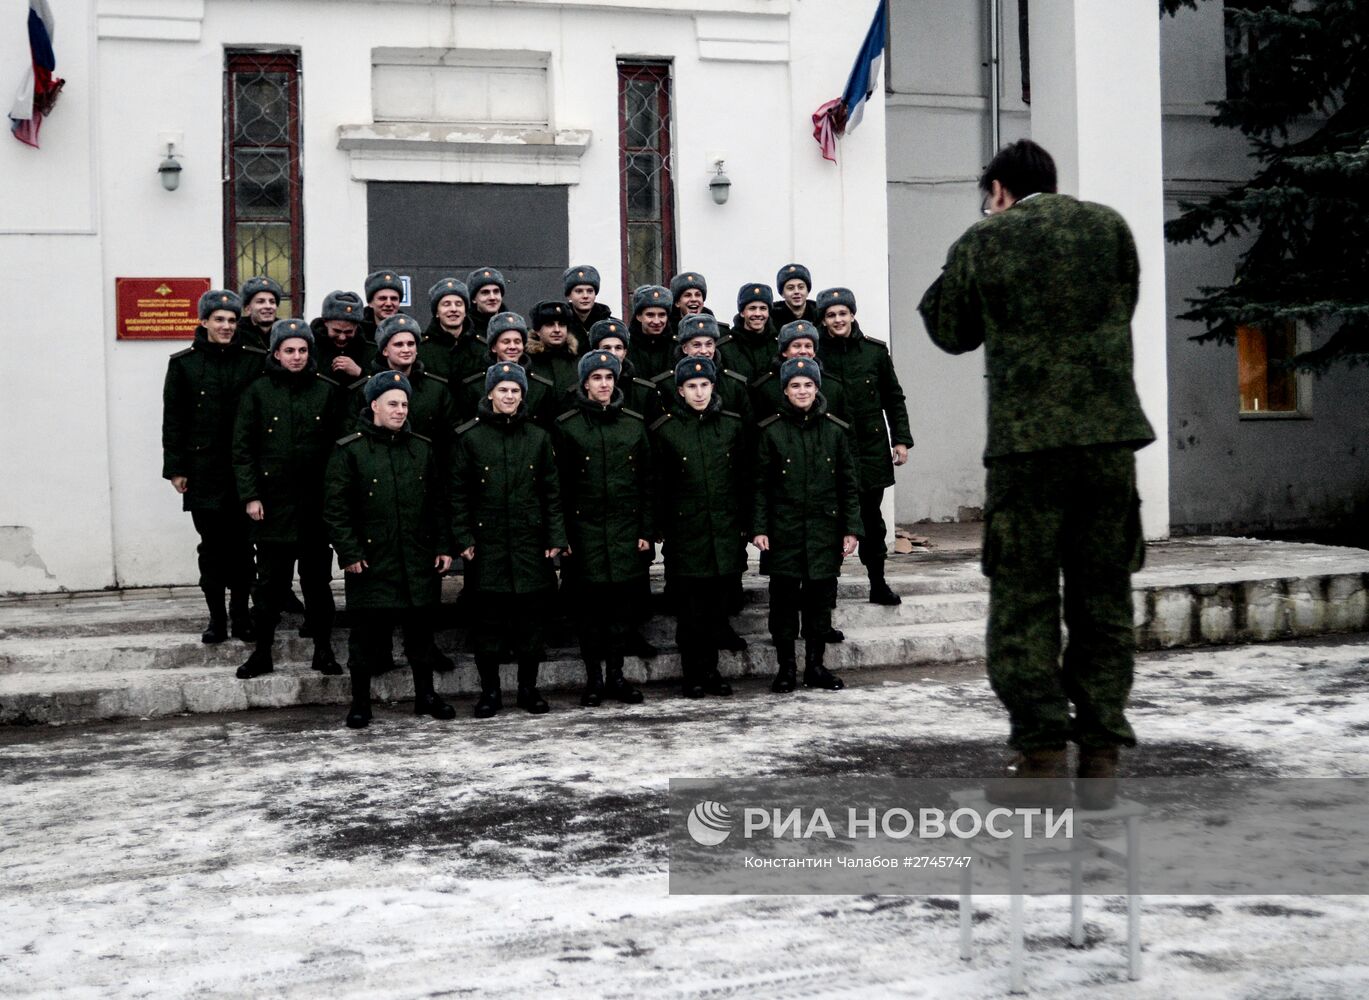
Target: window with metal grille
646,193
263,218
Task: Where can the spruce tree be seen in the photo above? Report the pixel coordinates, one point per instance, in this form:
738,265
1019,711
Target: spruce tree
1300,98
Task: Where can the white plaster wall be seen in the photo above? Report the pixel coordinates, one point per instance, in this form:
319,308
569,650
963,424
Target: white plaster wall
100,513
54,497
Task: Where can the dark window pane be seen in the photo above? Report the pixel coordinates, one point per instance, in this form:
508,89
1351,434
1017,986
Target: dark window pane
645,266
643,122
643,182
261,105
261,179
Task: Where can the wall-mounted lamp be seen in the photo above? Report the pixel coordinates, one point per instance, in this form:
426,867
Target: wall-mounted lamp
719,185
169,169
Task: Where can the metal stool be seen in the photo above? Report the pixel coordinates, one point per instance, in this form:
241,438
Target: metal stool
1080,848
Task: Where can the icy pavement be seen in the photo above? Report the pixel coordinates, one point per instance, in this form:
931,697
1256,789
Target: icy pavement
281,855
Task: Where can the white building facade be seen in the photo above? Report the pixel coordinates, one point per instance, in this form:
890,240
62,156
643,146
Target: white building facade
508,104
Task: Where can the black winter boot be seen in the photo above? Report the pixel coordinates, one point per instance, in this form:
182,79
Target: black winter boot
324,660
240,617
360,715
616,685
260,661
594,684
786,678
880,592
491,698
835,635
426,701
815,675
528,695
217,629
712,681
691,681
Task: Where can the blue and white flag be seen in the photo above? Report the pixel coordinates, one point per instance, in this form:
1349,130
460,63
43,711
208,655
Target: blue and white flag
864,74
39,88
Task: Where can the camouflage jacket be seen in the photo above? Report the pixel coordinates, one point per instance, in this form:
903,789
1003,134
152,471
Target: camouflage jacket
1048,287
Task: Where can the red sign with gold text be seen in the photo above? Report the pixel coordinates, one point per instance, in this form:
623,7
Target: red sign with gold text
158,308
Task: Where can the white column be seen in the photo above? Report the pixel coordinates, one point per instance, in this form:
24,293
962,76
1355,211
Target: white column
1095,85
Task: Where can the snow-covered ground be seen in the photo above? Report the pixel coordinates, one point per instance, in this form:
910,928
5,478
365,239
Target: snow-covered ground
281,855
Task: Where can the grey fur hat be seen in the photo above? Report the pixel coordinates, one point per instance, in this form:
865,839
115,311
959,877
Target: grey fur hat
398,323
219,298
382,382
754,292
581,274
836,297
688,368
378,280
505,371
501,323
595,360
608,327
445,287
483,276
647,296
702,325
797,330
791,271
683,282
344,306
261,283
794,367
284,329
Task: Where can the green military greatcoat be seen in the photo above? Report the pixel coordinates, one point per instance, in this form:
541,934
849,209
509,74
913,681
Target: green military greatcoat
384,503
506,501
199,402
452,358
605,463
750,353
805,491
285,429
541,404
703,489
873,396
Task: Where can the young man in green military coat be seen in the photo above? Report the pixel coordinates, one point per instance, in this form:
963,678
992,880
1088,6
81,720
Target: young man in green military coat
552,349
581,284
388,514
794,282
199,401
339,352
689,291
1048,284
507,339
702,454
260,301
806,514
487,289
450,346
384,292
285,429
878,416
605,464
508,527
751,346
698,337
651,340
797,340
639,395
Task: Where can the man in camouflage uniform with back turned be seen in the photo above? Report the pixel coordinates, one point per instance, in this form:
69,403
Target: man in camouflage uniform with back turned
1048,285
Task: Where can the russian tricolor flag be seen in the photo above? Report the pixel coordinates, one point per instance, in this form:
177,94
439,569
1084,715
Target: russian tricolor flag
841,116
38,93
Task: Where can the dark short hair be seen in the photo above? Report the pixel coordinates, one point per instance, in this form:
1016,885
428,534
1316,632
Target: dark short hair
1023,168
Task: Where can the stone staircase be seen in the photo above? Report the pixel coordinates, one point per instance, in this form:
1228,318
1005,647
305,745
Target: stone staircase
137,654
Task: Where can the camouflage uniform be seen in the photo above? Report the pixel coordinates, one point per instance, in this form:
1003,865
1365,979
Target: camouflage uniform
1048,287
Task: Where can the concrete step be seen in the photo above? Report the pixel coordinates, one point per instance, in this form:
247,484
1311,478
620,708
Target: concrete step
68,696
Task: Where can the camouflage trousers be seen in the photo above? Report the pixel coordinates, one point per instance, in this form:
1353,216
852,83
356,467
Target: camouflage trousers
1071,512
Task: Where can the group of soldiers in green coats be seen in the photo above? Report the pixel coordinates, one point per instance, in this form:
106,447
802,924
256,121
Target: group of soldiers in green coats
549,455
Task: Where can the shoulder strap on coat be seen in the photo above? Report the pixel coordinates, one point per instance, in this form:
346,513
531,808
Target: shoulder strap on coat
838,421
769,420
184,353
349,438
633,413
422,437
729,373
436,378
463,428
659,421
539,377
566,416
